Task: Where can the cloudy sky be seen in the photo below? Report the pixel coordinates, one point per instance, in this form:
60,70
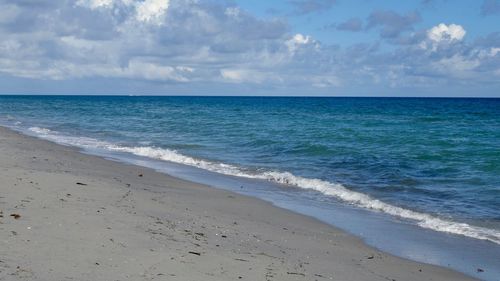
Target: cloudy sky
236,47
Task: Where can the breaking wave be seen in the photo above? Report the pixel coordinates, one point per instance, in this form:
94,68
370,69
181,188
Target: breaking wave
327,188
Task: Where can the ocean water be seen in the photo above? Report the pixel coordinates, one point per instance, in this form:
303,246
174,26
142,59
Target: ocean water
432,163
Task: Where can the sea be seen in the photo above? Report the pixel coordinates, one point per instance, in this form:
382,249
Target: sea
416,177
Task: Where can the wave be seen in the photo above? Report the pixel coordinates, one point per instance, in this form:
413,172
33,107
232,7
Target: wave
327,188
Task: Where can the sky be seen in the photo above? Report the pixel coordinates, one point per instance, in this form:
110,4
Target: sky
435,48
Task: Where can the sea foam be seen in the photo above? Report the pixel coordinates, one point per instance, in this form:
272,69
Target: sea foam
286,178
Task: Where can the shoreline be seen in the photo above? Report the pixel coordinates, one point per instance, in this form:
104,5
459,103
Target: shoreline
81,213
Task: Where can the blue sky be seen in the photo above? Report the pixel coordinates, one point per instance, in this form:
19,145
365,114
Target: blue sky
235,47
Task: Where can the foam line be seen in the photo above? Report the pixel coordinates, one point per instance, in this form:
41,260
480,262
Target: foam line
327,188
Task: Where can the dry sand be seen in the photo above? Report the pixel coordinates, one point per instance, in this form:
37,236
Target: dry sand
72,216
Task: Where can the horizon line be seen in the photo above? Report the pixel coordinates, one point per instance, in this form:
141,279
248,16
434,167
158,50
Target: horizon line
247,96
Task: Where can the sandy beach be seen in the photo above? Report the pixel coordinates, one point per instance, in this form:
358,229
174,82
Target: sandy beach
66,215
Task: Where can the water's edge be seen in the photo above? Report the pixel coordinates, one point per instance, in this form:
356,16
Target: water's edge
330,189
371,227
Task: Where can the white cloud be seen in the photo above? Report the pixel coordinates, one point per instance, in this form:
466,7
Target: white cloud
151,10
192,44
181,41
296,41
488,53
494,51
442,36
232,12
151,71
237,75
457,66
447,33
10,46
245,75
94,4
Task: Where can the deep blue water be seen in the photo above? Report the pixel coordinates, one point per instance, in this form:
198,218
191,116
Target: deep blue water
436,157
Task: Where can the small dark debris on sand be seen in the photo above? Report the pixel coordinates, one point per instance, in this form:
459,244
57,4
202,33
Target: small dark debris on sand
480,270
195,253
81,183
141,175
15,216
296,273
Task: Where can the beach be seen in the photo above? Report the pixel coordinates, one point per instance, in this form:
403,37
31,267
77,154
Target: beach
71,216
249,140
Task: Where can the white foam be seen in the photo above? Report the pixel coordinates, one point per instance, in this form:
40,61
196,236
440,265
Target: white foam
325,187
40,131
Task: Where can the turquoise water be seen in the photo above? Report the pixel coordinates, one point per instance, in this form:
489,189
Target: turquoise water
433,161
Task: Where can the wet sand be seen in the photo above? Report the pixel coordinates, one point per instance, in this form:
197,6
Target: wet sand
66,215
